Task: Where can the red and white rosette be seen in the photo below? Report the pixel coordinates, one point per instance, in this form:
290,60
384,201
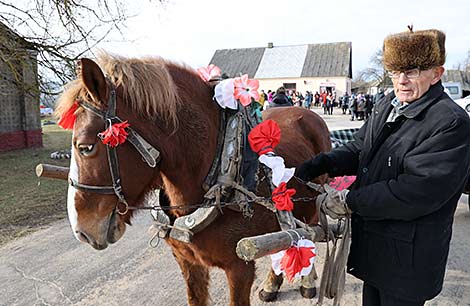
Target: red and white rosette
263,139
296,261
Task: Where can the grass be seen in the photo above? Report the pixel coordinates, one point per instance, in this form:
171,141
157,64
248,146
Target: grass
27,202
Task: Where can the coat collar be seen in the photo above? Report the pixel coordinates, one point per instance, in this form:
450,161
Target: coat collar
416,107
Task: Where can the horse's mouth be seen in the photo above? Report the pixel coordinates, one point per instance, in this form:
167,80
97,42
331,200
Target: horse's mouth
115,231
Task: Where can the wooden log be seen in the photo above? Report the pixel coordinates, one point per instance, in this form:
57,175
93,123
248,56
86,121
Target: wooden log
52,171
251,248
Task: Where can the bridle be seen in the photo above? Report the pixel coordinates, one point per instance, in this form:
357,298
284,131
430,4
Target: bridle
150,154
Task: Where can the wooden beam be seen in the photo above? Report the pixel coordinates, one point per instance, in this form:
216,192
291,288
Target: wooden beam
52,171
251,248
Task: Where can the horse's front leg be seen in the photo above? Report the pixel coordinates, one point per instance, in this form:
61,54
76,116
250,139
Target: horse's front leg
240,277
197,281
271,286
308,288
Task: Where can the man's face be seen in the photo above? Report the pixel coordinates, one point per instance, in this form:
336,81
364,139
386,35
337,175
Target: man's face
410,89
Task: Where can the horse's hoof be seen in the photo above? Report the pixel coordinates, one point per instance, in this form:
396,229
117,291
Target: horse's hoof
308,293
267,296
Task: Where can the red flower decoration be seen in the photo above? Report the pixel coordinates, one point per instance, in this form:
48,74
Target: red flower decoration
265,137
67,120
342,182
281,197
295,259
245,89
115,134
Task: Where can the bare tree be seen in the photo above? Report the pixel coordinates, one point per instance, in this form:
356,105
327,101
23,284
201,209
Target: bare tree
376,72
58,32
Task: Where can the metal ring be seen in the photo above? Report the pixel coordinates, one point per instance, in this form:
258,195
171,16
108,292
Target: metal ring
125,212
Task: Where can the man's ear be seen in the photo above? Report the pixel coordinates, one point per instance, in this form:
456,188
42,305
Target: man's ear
438,72
94,80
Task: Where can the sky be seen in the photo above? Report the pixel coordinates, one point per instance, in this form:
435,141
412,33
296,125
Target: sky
190,31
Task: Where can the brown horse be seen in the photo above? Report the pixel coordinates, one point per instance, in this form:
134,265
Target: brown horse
172,108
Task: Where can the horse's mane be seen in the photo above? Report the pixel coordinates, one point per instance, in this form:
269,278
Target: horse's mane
148,85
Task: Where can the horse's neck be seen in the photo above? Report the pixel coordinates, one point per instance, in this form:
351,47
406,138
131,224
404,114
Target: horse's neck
192,151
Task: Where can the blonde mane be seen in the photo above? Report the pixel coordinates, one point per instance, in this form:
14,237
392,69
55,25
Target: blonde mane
148,86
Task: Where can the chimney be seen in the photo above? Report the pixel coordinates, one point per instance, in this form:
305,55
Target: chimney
270,45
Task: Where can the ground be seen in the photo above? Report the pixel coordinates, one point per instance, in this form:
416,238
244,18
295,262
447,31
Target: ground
26,202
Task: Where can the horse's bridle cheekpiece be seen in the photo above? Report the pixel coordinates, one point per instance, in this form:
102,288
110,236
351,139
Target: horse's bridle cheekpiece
150,154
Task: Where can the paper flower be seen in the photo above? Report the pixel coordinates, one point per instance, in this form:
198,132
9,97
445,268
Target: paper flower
281,197
264,137
342,182
67,120
296,261
223,94
279,171
115,134
209,72
245,89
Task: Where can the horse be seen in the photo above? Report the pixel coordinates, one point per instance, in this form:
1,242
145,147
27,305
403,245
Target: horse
172,108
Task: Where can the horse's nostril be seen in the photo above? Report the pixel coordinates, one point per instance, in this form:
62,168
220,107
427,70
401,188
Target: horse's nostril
82,237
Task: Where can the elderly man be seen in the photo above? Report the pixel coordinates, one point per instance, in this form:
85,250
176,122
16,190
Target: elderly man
411,159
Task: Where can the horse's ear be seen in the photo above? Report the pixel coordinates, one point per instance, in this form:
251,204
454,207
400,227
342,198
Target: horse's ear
94,79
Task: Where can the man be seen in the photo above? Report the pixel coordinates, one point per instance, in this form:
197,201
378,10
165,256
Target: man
411,159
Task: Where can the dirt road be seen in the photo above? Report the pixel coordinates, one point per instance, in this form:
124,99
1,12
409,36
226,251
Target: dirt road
50,267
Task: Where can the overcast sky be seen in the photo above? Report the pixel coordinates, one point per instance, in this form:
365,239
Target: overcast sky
191,30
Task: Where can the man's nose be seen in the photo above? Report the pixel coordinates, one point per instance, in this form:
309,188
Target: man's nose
402,78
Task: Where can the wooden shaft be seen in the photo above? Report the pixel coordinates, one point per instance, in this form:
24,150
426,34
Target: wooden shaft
52,171
251,248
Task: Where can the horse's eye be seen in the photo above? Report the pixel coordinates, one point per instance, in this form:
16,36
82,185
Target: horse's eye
86,149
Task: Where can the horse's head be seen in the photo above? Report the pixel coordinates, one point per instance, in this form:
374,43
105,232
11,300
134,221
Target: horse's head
97,209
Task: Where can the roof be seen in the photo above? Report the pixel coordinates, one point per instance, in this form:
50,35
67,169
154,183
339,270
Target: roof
10,38
459,76
310,60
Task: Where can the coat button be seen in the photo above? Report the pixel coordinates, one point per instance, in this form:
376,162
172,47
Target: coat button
364,170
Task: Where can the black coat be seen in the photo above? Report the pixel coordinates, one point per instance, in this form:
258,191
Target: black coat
280,100
406,192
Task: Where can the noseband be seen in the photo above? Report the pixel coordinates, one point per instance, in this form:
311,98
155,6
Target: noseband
150,154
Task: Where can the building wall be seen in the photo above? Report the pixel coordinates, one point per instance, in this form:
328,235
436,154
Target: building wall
341,84
20,123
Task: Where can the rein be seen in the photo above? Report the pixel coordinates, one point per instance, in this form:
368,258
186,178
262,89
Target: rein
150,154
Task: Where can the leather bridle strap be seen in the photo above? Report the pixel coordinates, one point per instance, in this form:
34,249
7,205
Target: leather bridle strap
150,154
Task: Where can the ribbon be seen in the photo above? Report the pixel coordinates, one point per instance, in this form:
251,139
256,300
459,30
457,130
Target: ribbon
67,120
281,197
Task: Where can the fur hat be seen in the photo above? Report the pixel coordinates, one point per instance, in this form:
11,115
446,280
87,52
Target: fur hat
409,50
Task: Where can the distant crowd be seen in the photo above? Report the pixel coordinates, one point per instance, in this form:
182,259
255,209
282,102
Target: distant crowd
359,105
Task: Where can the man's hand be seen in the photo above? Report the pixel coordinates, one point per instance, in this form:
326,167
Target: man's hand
314,167
334,202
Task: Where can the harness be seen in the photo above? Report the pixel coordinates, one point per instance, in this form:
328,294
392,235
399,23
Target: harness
150,154
224,180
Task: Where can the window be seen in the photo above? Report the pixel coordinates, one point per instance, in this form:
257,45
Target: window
290,86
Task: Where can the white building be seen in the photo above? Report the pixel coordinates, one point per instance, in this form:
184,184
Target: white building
312,67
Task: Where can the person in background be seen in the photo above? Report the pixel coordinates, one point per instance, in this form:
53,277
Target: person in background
345,103
353,106
308,100
412,160
317,99
280,99
379,95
